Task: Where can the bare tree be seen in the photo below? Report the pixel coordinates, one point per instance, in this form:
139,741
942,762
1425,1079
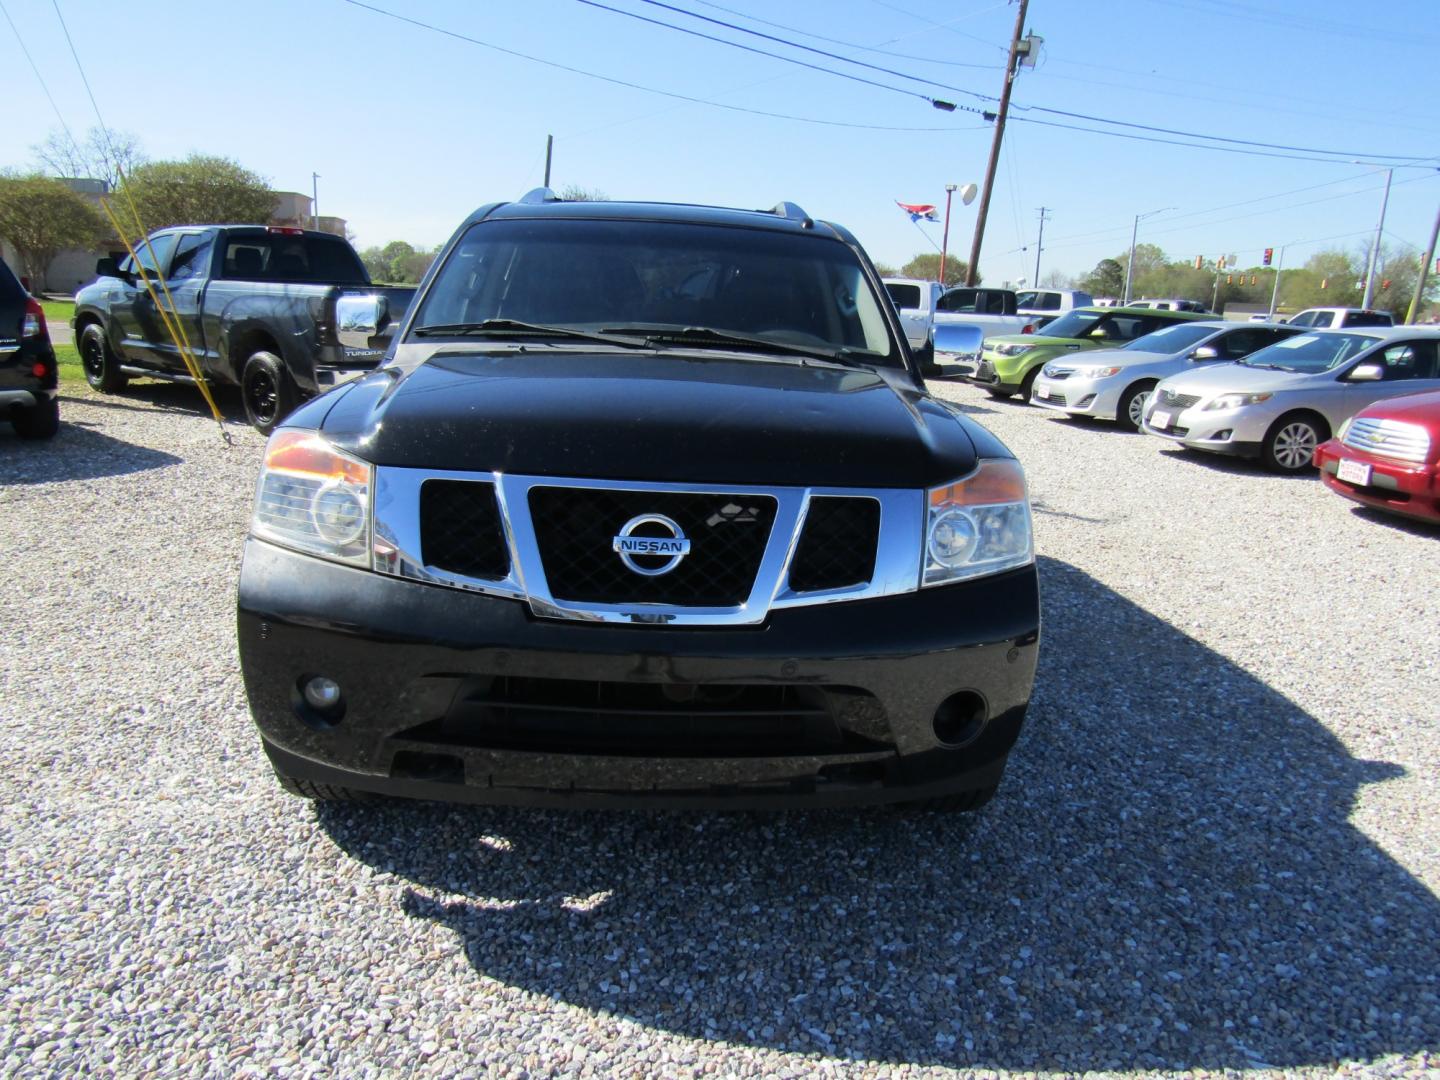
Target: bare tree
101,155
576,193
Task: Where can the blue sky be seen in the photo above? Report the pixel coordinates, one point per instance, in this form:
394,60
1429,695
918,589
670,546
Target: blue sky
410,129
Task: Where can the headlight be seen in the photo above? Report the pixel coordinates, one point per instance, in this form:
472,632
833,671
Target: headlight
980,525
1011,348
1235,401
1340,435
313,498
1095,371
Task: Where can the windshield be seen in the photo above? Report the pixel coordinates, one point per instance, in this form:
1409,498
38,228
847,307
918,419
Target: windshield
1311,353
634,277
1074,324
1171,339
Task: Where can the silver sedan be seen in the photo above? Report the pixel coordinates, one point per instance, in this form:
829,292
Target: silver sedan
1114,384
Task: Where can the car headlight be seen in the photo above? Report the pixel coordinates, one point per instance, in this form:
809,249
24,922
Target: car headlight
313,498
1340,435
979,525
1095,371
1011,348
1235,401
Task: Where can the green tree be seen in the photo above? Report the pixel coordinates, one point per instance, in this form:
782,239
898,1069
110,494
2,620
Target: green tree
397,263
926,267
42,217
200,190
1107,279
886,270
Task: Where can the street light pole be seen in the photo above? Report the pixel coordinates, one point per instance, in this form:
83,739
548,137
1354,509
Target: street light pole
1424,272
1275,292
1130,262
1039,246
945,236
1375,247
315,201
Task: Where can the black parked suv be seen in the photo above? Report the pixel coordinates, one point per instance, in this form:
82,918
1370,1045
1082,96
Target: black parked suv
28,376
648,505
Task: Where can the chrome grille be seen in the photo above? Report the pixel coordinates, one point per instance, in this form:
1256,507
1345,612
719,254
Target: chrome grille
1178,401
1389,438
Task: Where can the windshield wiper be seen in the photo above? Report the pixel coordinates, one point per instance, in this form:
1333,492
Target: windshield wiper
706,335
515,328
1251,363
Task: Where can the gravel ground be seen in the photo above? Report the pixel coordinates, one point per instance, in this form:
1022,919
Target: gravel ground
1215,849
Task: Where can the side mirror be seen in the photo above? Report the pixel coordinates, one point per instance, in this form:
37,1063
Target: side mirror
359,318
1367,373
1205,352
957,349
107,267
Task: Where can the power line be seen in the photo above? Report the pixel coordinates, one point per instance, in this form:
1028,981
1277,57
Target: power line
40,78
941,26
948,106
641,87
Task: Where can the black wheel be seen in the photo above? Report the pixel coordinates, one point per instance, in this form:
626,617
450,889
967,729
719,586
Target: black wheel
268,391
963,802
40,421
102,366
307,789
1027,384
1132,406
1289,445
999,395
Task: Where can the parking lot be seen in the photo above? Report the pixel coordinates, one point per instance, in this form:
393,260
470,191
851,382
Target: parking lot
1215,847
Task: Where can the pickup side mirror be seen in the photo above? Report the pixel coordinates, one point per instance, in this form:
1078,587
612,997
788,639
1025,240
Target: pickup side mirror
107,267
1205,352
957,348
359,318
1367,373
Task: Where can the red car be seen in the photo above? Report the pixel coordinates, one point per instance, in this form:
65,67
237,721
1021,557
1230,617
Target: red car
1388,456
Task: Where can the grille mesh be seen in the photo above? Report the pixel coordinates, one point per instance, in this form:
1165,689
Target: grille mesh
575,528
1177,401
460,529
837,546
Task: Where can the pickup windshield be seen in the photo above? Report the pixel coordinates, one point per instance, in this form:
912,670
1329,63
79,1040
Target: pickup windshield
1311,354
268,256
650,278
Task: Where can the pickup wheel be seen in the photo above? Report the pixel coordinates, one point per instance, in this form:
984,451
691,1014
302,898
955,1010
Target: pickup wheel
40,421
1132,406
268,391
102,366
307,789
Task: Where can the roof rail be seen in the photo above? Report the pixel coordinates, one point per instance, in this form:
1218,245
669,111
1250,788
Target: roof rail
792,212
539,195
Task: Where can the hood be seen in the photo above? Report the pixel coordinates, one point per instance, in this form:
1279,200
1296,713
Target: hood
1238,378
1116,358
1422,408
662,417
1038,340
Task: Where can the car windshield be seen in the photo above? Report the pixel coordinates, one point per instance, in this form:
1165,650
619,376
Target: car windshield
1311,353
712,285
1075,324
1171,339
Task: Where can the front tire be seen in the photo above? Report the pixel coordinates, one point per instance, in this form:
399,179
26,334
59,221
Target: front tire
1000,395
1289,445
102,366
964,802
1027,384
1132,406
332,793
267,390
40,421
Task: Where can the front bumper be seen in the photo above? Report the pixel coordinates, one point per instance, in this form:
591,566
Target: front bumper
1077,396
429,677
1236,432
1397,486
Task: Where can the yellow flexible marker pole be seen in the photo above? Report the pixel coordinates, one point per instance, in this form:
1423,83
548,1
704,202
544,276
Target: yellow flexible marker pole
165,317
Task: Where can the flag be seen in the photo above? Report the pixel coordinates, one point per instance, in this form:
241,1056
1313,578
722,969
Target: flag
919,210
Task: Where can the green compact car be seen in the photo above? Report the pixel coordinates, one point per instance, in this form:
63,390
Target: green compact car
1008,365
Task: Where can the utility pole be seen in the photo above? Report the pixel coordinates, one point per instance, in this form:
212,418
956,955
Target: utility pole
1375,247
1011,69
549,148
945,236
1040,245
1130,262
1424,271
315,201
1275,292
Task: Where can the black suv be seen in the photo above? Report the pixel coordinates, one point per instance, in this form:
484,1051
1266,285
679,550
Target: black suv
28,376
648,505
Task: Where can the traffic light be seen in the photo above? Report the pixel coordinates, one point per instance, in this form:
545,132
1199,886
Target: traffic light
1269,252
1220,263
1200,261
1324,283
1252,279
1384,284
1229,279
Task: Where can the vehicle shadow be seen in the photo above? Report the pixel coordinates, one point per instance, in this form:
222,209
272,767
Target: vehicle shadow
1233,466
75,453
166,396
1167,879
1430,530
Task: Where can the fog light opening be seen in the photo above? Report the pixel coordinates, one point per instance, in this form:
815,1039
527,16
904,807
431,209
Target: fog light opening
318,701
961,718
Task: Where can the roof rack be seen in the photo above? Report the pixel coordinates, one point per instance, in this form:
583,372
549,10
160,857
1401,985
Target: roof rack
540,195
792,212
